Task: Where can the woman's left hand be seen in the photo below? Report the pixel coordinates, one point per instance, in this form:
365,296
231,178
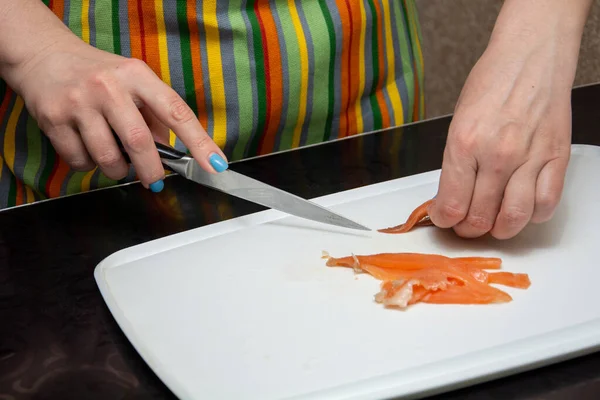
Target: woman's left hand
509,142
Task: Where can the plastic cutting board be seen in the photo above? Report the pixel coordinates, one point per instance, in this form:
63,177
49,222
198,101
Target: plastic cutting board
247,309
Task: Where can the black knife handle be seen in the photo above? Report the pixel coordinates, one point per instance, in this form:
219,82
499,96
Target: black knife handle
165,152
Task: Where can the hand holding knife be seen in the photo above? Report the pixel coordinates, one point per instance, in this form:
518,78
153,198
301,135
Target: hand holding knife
239,185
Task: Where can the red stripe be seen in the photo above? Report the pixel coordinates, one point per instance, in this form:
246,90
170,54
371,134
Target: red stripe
52,175
385,117
267,75
344,63
142,33
350,122
4,105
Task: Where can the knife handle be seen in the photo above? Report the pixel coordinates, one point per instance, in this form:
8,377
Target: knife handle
165,152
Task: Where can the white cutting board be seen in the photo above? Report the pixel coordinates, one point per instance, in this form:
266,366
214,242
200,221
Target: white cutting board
247,309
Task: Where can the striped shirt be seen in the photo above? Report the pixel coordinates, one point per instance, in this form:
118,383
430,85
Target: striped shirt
261,75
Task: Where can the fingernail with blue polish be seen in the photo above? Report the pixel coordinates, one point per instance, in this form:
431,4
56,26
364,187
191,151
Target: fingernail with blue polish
218,163
157,186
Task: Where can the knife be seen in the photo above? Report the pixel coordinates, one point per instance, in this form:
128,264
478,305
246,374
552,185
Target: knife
244,187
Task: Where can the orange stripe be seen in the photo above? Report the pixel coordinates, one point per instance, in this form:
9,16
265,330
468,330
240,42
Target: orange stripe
385,116
354,60
151,36
135,38
19,189
344,16
58,7
196,66
275,77
58,178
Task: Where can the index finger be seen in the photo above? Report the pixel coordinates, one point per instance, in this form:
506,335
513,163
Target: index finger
173,112
457,182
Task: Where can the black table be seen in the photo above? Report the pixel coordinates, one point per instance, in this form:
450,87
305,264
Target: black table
57,337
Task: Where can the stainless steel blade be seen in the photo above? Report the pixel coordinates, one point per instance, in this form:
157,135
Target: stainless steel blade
250,189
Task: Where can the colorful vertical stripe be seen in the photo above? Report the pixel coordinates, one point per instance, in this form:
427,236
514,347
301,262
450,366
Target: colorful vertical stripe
261,75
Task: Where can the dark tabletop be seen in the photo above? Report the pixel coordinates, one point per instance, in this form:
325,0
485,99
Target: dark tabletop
59,341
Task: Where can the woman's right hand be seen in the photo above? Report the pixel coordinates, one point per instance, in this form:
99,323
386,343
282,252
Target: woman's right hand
77,93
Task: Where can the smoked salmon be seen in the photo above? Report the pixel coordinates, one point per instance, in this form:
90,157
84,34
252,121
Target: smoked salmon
419,217
408,278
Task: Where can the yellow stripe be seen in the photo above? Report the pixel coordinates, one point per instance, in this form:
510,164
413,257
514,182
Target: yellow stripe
361,69
304,68
392,86
9,136
163,53
85,182
85,22
29,198
215,72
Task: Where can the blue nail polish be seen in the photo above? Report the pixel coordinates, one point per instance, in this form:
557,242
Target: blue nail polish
218,163
157,186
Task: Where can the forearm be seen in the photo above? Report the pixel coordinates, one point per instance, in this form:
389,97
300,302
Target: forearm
541,31
526,23
27,29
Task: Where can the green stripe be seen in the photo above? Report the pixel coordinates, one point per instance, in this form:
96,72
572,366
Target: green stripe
74,184
104,25
115,27
331,72
12,192
414,19
405,57
318,27
34,152
243,76
294,80
186,55
50,157
75,18
260,79
104,181
377,119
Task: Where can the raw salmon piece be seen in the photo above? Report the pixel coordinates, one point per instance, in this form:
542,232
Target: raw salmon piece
401,293
419,217
408,278
520,281
449,286
411,261
468,294
388,274
511,279
480,262
407,261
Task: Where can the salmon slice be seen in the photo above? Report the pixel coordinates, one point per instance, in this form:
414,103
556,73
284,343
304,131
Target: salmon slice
419,217
388,274
408,278
472,294
449,286
520,281
411,261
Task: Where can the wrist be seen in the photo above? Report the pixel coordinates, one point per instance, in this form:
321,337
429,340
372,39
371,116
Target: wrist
28,30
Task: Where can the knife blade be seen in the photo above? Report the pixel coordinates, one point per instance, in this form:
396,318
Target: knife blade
244,187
